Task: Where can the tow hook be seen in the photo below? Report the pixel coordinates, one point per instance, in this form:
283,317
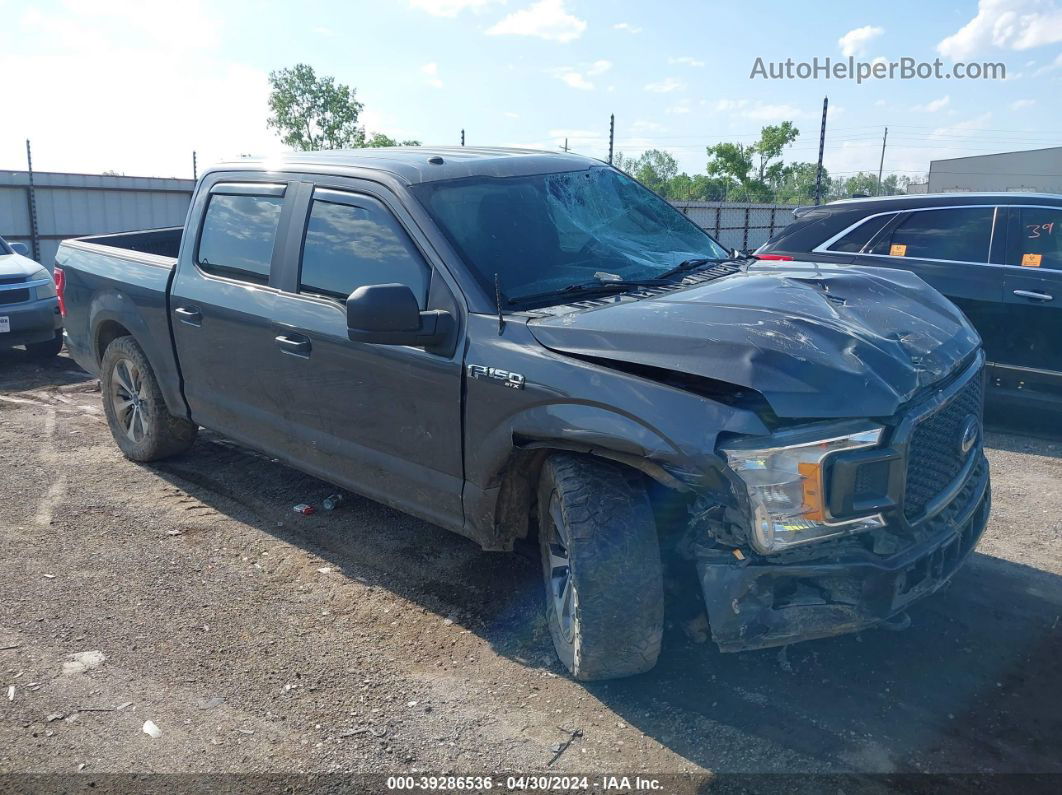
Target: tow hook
898,623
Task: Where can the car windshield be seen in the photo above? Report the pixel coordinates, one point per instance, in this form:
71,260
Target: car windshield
546,232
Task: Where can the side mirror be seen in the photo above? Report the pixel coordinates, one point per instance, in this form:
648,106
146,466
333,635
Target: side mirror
388,314
20,248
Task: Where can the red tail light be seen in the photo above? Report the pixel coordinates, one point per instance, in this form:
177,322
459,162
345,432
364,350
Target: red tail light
778,257
60,287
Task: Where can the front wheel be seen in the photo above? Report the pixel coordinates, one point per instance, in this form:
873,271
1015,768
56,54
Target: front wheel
140,423
601,565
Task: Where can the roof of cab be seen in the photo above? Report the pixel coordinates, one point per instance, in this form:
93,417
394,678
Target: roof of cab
417,164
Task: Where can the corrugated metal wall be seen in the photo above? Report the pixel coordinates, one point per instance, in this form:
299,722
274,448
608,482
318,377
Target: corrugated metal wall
737,224
74,205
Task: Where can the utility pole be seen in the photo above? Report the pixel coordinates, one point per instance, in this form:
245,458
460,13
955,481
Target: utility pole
31,197
822,144
565,147
462,137
195,167
881,165
611,135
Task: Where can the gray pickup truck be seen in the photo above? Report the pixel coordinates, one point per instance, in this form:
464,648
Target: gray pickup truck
516,344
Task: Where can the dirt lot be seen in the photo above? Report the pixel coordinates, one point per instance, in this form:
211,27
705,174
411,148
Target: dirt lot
259,640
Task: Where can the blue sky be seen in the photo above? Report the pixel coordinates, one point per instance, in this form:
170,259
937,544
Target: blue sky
136,86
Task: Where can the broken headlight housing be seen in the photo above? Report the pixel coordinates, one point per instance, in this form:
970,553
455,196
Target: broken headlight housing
784,477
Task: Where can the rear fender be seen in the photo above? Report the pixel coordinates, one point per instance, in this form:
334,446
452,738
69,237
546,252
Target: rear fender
112,306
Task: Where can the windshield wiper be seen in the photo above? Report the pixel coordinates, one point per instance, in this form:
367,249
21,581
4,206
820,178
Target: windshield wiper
595,286
687,265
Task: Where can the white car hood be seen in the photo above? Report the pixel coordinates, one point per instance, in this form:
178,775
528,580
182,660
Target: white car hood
17,265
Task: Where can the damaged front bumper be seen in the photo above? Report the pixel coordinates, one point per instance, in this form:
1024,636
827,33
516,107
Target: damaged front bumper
761,603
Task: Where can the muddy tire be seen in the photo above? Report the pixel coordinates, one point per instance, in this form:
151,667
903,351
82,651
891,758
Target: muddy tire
136,413
601,565
46,350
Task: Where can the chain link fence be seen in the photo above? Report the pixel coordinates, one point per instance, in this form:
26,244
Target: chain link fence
741,225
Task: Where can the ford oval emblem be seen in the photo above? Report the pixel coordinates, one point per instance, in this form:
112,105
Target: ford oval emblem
968,438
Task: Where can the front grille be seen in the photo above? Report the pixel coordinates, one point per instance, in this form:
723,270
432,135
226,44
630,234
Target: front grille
12,279
14,296
934,459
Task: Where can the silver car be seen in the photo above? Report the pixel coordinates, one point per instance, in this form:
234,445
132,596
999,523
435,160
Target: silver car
29,305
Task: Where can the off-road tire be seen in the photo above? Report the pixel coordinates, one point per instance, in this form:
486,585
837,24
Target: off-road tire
158,434
46,350
613,560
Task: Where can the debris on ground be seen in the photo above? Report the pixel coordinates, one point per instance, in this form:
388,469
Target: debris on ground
304,508
11,693
210,703
332,501
124,705
151,729
8,648
560,748
696,629
83,661
54,717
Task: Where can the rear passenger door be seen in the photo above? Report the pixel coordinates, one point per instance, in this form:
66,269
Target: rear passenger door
1033,295
950,248
383,420
221,308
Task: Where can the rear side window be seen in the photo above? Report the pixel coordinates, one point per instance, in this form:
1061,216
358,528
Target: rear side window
1040,238
238,235
960,234
351,245
855,240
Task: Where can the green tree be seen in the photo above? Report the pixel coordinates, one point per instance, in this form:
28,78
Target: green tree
655,169
753,171
312,112
379,139
797,185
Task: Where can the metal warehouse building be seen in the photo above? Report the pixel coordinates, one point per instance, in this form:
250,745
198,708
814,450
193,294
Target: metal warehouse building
1034,171
58,206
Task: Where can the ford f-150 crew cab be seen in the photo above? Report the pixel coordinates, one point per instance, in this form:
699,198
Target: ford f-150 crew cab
519,344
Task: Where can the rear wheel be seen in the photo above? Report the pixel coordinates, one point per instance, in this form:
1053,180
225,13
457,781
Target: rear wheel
46,350
601,565
140,423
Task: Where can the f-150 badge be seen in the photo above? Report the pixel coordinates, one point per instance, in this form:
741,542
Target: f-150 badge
503,377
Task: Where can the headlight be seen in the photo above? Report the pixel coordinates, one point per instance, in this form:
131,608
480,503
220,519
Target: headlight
785,484
44,290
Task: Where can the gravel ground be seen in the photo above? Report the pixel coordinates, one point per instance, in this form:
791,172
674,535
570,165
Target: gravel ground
259,640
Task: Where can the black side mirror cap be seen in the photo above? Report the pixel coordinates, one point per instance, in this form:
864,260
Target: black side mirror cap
389,314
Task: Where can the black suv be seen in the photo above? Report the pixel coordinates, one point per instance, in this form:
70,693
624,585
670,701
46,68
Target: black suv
998,256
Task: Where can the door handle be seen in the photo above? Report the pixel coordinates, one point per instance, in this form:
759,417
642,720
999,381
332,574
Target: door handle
296,345
189,315
1034,295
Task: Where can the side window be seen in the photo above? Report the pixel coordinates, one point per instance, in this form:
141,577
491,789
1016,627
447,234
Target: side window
238,234
855,240
960,234
351,245
1039,238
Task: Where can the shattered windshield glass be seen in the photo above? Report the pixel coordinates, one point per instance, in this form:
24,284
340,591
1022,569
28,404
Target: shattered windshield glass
547,232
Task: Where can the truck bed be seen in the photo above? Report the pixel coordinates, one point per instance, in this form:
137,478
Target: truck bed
117,284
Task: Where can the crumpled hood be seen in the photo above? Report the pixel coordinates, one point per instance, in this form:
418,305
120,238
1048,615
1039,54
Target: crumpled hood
814,340
17,265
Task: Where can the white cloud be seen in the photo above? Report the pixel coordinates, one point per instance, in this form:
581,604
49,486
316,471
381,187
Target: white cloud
546,19
647,126
1022,104
431,74
933,105
1055,64
760,111
855,41
450,8
627,26
1005,24
681,107
510,115
685,60
576,77
665,86
322,30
